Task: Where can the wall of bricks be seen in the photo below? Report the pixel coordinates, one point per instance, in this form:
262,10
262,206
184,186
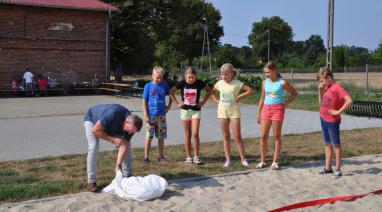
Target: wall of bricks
26,41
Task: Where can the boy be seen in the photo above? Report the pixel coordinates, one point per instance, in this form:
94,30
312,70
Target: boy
333,99
154,110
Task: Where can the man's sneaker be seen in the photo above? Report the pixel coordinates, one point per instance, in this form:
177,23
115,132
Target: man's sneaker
337,173
227,164
146,161
245,163
92,187
325,171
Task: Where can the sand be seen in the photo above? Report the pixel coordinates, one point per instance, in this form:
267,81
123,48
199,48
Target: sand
253,190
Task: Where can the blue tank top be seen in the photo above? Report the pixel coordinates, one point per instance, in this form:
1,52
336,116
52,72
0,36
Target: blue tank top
274,93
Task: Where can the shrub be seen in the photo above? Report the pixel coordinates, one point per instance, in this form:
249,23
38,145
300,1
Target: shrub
207,78
251,80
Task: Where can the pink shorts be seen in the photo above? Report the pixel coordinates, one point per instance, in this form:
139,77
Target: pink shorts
273,112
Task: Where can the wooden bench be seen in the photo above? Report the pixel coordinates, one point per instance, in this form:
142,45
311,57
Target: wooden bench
117,89
50,91
12,93
85,90
110,91
366,109
137,91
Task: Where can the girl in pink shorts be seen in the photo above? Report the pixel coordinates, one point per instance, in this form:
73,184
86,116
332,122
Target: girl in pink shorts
271,111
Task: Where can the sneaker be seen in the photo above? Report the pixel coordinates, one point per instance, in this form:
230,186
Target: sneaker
337,173
227,164
146,161
325,171
197,161
275,166
161,159
92,187
188,161
245,163
261,165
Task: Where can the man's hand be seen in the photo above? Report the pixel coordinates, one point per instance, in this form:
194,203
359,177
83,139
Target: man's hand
117,141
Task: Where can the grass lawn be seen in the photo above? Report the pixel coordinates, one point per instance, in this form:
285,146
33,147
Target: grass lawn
36,178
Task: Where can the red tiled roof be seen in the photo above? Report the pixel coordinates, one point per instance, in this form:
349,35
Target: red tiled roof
65,4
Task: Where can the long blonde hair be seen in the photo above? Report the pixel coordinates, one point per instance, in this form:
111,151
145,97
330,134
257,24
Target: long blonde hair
229,67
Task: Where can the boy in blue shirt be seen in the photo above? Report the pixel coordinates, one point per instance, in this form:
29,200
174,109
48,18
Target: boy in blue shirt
154,110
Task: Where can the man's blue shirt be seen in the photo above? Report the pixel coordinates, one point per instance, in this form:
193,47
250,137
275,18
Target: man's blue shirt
112,118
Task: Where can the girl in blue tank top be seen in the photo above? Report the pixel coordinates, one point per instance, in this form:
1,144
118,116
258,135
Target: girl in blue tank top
271,111
274,93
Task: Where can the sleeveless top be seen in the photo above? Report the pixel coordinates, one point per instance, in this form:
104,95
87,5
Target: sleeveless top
274,93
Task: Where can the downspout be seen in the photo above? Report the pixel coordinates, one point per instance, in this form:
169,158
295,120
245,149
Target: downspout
107,50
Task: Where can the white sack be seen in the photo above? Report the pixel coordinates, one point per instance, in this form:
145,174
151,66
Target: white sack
137,188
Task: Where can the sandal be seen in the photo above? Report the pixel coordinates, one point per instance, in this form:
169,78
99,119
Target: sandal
261,165
227,164
92,187
161,159
275,166
188,161
197,160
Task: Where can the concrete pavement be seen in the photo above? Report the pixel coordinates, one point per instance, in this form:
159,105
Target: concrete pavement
51,126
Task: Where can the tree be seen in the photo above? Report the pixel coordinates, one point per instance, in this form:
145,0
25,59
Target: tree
376,56
228,54
279,32
356,56
314,46
182,28
339,56
132,35
161,32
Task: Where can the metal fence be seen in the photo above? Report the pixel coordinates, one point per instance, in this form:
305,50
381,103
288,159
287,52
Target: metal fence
367,78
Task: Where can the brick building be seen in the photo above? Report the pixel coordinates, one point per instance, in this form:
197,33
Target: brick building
66,39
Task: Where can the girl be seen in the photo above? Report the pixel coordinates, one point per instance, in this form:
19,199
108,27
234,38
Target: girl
271,111
228,110
190,110
333,99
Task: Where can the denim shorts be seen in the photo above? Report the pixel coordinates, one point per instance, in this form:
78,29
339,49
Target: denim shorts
331,132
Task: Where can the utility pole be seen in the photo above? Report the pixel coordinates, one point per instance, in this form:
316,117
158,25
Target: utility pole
205,37
329,50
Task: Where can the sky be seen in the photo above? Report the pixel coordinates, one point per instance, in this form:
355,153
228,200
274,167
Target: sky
356,22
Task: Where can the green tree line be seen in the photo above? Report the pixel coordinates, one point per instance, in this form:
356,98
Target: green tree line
170,33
